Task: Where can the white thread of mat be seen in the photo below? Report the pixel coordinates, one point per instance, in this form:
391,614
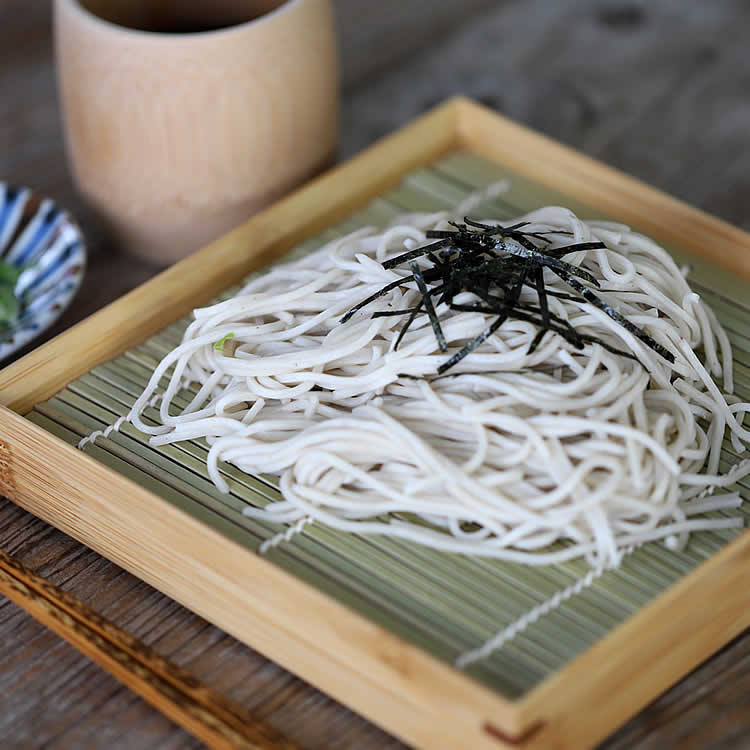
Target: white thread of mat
115,426
106,432
284,536
529,618
274,541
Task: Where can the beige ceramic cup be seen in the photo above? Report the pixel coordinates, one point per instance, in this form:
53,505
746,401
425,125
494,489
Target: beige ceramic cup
177,133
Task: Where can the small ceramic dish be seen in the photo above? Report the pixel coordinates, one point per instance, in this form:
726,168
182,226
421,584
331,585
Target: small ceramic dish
42,261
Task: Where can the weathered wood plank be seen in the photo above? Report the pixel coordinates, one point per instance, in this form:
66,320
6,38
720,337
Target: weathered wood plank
376,37
53,696
659,89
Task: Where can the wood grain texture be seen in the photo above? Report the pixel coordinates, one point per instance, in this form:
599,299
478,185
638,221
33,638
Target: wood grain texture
43,677
658,89
205,713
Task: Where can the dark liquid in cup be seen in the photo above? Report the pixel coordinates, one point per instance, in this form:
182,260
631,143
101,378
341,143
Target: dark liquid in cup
190,27
171,17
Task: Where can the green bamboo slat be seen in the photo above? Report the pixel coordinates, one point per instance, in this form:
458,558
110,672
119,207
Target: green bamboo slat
444,603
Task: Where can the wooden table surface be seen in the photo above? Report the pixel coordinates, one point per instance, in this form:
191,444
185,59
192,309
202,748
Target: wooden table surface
658,89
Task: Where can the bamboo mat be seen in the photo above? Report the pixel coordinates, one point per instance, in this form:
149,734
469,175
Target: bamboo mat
444,603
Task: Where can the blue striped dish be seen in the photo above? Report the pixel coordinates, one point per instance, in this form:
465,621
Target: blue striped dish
43,240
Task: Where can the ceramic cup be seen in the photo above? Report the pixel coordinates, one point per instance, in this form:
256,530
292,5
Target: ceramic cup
182,119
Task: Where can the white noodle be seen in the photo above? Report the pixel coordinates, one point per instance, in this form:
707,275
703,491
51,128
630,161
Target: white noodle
535,458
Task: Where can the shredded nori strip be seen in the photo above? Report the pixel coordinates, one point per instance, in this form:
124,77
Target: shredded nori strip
511,300
428,306
590,297
541,293
392,313
494,263
405,327
387,288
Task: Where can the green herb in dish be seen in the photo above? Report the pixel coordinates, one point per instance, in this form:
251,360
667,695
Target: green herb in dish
10,305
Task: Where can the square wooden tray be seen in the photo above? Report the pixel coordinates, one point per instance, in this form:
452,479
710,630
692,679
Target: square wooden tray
361,664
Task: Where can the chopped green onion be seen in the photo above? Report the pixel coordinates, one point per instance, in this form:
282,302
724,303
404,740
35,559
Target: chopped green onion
219,345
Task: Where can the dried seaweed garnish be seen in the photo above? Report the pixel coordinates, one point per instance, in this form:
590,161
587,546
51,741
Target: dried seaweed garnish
405,327
494,263
428,306
392,313
387,288
510,301
639,333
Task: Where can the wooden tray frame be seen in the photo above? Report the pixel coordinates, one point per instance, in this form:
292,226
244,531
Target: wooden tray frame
391,682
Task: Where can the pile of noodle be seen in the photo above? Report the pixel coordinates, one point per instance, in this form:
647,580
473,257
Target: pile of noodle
535,458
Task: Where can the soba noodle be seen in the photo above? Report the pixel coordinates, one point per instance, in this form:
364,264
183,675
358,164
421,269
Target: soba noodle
535,458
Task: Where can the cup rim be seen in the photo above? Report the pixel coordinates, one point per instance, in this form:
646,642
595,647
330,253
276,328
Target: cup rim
110,26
